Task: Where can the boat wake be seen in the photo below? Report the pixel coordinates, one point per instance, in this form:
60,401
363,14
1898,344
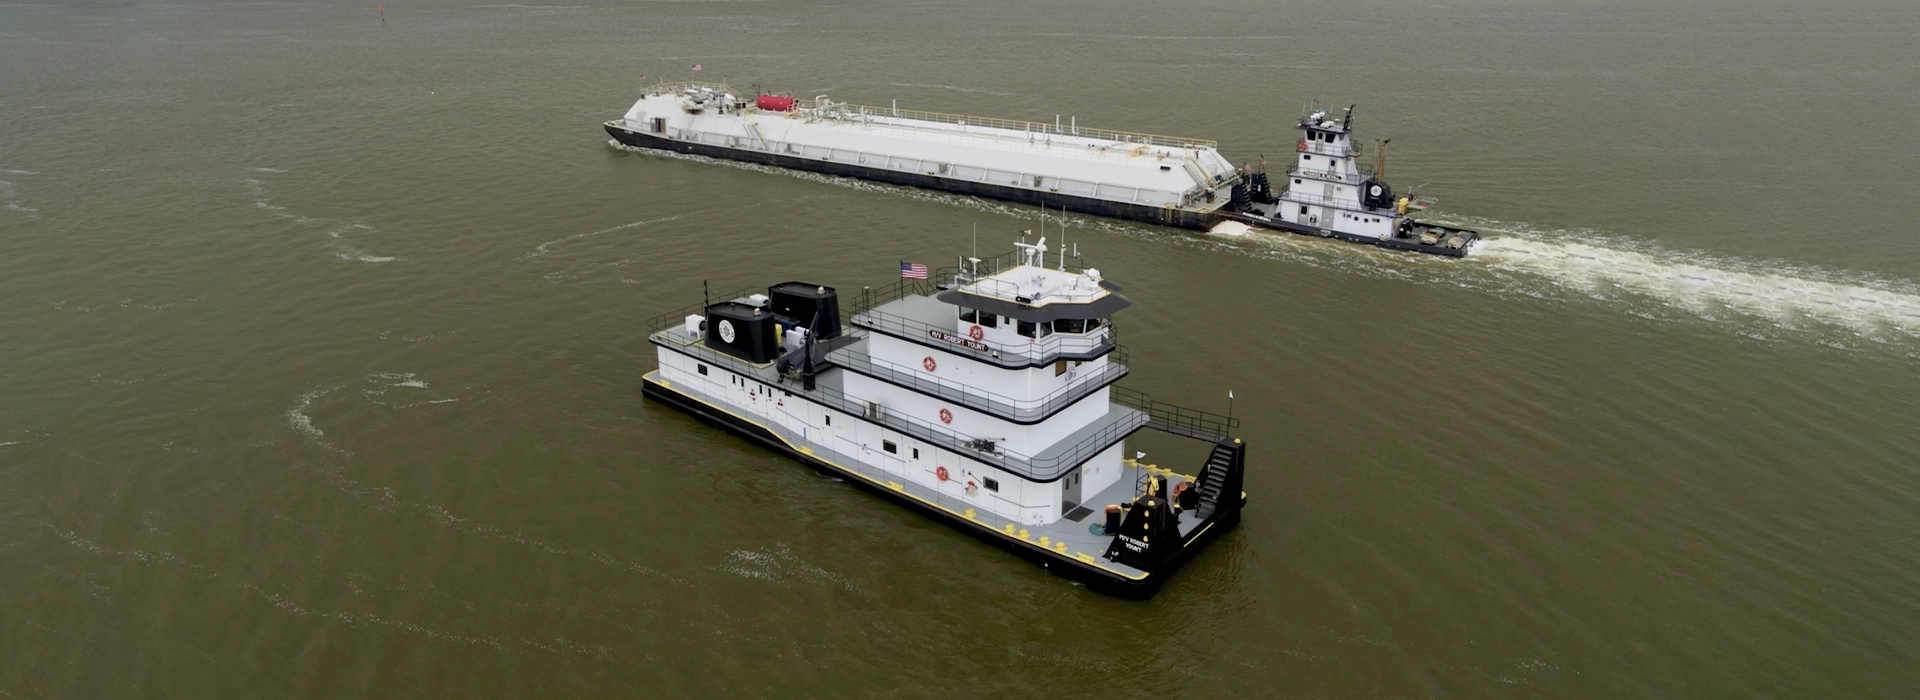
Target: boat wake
335,232
1713,288
1760,300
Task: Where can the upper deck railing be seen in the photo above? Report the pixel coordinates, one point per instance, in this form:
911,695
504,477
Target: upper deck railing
1324,149
678,86
867,313
847,110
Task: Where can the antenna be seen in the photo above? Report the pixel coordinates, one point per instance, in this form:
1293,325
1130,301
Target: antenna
1063,239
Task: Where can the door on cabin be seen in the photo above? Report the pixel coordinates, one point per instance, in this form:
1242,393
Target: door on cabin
1069,491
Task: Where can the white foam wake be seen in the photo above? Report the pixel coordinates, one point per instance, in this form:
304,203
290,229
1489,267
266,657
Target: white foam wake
335,232
1710,287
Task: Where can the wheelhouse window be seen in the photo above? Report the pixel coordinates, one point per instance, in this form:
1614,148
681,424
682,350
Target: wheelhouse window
1032,330
1070,325
969,315
1093,323
989,320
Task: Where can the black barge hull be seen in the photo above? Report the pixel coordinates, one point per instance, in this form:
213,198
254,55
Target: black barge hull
1095,578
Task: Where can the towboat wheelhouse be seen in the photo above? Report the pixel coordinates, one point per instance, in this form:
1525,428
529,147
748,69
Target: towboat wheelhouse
984,397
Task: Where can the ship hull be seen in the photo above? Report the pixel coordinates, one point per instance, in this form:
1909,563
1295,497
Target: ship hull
1098,579
1392,243
1085,205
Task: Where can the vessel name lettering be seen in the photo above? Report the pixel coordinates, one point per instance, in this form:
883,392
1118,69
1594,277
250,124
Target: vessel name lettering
957,340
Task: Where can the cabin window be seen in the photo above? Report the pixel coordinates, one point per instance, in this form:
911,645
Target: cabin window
891,448
1033,330
1296,181
1306,157
989,320
703,370
829,419
1070,325
991,485
969,315
916,453
1303,210
1059,367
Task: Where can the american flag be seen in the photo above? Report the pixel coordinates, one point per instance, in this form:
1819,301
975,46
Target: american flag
912,271
696,66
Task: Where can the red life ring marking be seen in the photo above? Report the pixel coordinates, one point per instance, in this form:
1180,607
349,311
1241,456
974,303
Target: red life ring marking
1302,145
946,416
940,473
975,333
929,363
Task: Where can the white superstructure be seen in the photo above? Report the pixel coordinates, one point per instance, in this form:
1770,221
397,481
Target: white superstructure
986,397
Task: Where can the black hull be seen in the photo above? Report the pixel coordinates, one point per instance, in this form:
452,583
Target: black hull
1392,243
1097,579
1086,205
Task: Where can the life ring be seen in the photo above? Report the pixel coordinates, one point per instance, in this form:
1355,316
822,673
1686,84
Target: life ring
929,363
1301,145
946,416
975,333
940,473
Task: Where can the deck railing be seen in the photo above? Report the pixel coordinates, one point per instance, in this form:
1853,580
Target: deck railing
825,108
1086,381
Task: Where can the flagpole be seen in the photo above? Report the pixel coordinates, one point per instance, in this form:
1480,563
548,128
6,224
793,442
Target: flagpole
1229,410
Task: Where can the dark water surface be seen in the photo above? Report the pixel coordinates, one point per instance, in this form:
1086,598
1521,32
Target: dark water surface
320,346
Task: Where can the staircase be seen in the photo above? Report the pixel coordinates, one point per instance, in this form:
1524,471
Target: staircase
1220,479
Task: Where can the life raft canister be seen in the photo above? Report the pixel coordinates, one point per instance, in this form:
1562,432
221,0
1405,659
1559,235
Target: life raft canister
774,103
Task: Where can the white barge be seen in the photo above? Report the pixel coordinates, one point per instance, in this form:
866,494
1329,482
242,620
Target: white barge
983,397
1156,179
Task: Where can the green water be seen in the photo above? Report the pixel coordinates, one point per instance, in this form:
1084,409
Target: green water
321,339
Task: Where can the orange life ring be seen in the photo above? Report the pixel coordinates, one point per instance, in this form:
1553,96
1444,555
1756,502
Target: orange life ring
975,333
929,363
940,473
946,416
1302,145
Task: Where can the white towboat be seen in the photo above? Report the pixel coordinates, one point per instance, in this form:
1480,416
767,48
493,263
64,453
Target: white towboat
983,397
